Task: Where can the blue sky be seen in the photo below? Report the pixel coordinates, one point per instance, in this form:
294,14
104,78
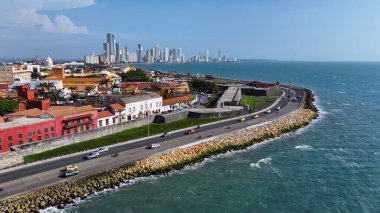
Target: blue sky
260,29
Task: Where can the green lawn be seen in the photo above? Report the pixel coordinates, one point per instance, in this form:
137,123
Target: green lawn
257,103
119,137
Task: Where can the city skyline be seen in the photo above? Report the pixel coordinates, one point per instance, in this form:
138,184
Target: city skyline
290,30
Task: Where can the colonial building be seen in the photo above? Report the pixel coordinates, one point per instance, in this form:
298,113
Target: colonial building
106,118
141,105
178,103
16,73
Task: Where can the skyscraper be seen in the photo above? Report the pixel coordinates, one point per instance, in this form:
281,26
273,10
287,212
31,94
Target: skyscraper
111,42
207,56
139,53
166,55
117,52
156,53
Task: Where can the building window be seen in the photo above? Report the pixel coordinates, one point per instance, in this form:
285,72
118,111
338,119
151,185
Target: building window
30,133
1,147
39,131
134,109
114,120
30,140
107,122
129,109
10,138
20,142
52,128
75,130
141,107
146,106
87,127
100,123
46,136
39,138
82,128
46,130
52,135
68,131
20,135
151,105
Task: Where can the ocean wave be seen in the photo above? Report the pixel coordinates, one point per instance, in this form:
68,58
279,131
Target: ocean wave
304,147
341,92
346,104
341,160
260,162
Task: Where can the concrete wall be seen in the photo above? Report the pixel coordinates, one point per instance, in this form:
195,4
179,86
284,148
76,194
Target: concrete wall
173,116
16,157
216,114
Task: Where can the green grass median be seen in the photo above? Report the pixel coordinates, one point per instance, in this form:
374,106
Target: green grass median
257,103
119,137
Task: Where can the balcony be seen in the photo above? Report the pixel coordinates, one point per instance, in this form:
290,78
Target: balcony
68,126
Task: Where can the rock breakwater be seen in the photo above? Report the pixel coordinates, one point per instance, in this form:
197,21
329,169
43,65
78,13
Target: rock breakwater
65,193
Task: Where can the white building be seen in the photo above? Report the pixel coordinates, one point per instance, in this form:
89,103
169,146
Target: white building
132,57
119,112
49,62
16,73
142,105
91,59
105,118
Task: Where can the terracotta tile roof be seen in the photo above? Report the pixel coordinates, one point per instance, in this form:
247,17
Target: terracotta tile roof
35,112
61,111
117,106
2,120
104,89
66,80
172,101
104,114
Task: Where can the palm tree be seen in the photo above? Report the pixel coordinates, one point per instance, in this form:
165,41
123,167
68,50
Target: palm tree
104,81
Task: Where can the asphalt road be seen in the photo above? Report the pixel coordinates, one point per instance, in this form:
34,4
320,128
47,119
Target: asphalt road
28,178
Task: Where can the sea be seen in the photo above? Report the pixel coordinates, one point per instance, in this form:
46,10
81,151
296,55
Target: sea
332,165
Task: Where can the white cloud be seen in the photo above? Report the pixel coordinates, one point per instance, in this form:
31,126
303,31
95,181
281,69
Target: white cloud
25,14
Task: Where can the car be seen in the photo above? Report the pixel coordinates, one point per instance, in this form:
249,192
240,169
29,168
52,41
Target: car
92,155
154,145
102,149
242,119
256,116
283,97
268,111
70,173
166,134
190,131
71,167
278,108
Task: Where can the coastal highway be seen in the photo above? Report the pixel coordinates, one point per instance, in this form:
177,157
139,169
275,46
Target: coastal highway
27,178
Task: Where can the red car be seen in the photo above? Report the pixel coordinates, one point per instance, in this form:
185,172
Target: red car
190,131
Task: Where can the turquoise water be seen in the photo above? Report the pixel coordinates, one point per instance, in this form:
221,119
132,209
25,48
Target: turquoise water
331,166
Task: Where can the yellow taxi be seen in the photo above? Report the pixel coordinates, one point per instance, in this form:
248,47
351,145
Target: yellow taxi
71,167
242,119
256,116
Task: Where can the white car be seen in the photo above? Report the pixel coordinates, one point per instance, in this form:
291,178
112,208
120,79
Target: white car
268,111
102,149
154,145
92,155
166,134
278,108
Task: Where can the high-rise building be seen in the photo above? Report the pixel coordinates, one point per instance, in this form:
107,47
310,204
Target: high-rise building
166,55
91,59
111,42
207,56
123,54
107,55
156,53
117,52
139,53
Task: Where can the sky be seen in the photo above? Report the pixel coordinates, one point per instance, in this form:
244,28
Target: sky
307,30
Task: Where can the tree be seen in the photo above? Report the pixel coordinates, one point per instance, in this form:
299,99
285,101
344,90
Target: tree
133,76
105,82
8,105
201,85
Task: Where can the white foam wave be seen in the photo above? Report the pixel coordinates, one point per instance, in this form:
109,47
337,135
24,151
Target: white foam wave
341,92
341,160
260,162
304,147
346,104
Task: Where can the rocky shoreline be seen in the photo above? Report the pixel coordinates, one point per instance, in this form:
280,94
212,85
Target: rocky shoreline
65,193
